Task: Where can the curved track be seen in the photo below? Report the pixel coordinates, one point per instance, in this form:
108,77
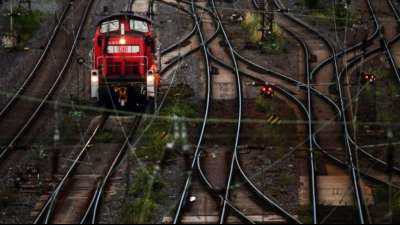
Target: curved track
22,110
330,102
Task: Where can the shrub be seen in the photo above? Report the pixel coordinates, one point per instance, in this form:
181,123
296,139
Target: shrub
26,24
252,24
145,192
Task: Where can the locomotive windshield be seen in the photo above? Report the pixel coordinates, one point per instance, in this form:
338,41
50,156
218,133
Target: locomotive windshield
138,25
110,26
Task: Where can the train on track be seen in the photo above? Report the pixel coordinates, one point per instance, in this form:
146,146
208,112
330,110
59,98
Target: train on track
124,71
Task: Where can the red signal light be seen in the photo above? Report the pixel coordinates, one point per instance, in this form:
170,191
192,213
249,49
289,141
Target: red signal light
368,78
267,91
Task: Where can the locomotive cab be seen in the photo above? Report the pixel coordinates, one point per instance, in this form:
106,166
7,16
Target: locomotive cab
124,72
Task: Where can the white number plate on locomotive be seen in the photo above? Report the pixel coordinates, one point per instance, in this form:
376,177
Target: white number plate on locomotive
123,49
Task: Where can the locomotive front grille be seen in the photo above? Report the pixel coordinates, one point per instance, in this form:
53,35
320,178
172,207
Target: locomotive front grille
114,69
132,68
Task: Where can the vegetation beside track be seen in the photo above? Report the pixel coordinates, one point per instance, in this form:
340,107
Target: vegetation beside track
26,24
274,43
270,131
161,132
324,14
146,192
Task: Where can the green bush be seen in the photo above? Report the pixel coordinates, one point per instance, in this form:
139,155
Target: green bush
305,214
381,196
276,42
252,25
154,141
105,136
263,105
146,192
26,24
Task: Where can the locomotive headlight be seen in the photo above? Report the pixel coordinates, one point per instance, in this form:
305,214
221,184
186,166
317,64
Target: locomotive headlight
95,79
150,79
122,41
151,91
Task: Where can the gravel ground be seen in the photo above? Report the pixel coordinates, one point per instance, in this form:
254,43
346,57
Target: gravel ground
268,146
238,37
339,36
170,22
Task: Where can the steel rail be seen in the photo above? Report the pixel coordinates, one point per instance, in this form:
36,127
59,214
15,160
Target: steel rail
333,104
254,189
330,101
358,195
53,87
252,64
305,111
191,34
46,212
91,213
383,40
194,50
311,157
251,185
345,166
33,72
239,96
353,63
283,91
188,183
210,188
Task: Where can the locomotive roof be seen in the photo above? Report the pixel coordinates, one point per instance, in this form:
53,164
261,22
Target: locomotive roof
124,14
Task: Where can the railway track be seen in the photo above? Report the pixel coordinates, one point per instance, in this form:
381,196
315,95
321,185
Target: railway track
212,187
371,158
25,106
315,71
387,35
77,197
357,190
356,62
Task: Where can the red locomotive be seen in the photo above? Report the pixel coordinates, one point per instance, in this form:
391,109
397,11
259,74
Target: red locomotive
124,71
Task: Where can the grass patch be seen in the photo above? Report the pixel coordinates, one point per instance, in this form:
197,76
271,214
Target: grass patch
381,196
105,136
263,105
7,198
160,133
26,24
252,25
323,13
287,179
305,214
146,192
387,117
275,43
